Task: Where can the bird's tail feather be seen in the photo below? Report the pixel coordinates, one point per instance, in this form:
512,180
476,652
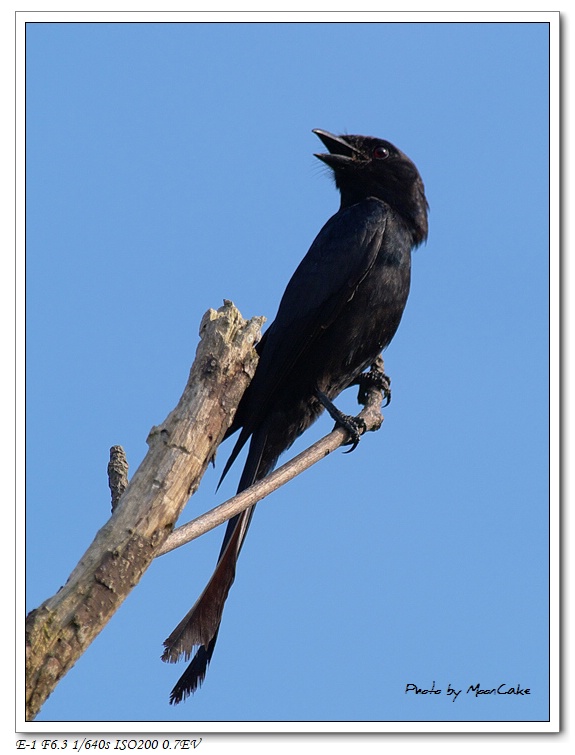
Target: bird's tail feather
199,628
200,624
194,675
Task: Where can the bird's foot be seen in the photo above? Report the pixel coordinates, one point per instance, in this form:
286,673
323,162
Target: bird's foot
355,426
375,378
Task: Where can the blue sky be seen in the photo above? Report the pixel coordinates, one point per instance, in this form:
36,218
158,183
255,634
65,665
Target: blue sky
170,166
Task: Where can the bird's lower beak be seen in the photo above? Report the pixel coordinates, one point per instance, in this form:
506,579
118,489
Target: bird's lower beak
340,151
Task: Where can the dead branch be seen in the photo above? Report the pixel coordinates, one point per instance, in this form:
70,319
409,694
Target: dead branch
117,474
144,514
61,629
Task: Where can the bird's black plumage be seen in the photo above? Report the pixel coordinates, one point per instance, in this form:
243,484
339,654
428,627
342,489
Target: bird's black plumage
340,309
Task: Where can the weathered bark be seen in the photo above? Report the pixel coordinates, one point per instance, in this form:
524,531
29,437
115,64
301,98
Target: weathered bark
144,514
60,630
117,474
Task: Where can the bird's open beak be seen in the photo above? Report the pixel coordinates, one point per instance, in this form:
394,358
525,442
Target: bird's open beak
340,152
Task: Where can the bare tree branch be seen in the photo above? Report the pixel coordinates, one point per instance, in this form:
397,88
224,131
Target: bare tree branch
144,514
59,631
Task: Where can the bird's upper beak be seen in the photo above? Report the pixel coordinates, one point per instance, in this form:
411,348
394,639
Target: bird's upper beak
341,153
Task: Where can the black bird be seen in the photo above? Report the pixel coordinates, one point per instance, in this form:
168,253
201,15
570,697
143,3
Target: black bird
341,308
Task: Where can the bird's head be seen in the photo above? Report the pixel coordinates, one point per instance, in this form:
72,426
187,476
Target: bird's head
364,166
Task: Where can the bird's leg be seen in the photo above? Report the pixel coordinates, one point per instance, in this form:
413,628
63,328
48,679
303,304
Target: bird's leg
375,378
355,426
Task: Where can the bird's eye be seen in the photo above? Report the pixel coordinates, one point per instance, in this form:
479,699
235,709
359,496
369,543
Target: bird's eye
380,153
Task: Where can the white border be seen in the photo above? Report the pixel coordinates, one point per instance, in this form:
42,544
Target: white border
97,729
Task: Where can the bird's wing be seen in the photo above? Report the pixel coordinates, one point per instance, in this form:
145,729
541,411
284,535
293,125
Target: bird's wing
341,256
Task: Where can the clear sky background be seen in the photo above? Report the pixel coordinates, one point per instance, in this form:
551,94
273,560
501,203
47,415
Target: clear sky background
170,166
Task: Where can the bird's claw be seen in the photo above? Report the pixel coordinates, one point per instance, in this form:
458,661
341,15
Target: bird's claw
375,378
355,426
385,387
